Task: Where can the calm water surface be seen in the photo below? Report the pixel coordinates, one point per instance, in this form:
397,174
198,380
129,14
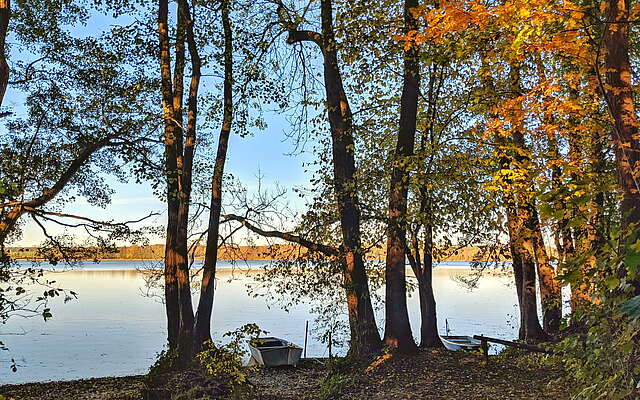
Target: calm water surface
113,329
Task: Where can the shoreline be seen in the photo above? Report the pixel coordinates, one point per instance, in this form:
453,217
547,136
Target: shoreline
426,374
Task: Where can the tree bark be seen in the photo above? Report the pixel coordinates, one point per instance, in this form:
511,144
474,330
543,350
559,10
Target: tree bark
205,305
5,15
367,339
550,290
524,270
179,151
169,137
620,99
363,342
429,324
619,95
397,332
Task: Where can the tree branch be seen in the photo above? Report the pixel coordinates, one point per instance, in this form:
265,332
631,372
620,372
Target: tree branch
289,237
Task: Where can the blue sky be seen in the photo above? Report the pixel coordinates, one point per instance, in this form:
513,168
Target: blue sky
266,153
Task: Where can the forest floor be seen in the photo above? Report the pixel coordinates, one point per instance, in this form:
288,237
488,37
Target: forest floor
430,374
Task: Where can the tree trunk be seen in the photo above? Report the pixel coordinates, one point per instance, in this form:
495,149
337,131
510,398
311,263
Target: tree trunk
516,261
205,306
526,226
429,323
619,95
5,15
550,290
345,184
397,333
524,269
171,253
365,339
179,151
620,99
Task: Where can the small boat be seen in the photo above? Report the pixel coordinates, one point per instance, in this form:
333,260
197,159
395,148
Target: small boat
273,352
458,343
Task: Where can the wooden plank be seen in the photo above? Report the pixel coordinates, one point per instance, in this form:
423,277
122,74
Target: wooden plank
523,346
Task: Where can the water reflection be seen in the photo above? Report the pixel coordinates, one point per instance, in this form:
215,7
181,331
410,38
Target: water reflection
112,329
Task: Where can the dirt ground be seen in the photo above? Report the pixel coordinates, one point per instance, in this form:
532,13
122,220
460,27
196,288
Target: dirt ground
430,374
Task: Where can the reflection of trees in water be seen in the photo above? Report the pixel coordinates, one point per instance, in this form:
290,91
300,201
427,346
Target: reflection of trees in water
152,274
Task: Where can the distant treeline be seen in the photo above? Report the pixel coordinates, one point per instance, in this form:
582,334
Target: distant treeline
273,252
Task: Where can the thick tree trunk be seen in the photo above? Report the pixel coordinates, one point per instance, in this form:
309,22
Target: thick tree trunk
525,226
205,306
171,253
619,94
550,292
179,151
345,185
365,339
521,244
397,333
5,15
620,99
524,271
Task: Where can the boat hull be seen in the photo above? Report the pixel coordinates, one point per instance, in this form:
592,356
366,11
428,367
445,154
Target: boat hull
460,343
274,352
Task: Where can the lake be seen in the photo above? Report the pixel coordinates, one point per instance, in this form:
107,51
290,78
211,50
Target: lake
113,329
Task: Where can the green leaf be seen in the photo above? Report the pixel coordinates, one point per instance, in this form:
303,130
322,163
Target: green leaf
611,282
631,307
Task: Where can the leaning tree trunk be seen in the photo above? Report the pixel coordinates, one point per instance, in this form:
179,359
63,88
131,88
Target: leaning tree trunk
344,175
205,305
367,340
397,332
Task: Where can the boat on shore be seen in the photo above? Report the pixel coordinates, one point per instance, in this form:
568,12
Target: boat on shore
459,343
274,352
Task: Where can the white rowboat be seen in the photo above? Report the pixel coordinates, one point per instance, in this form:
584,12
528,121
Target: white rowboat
273,352
458,343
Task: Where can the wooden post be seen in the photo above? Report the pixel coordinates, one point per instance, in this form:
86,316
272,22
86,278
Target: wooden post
306,330
485,349
329,345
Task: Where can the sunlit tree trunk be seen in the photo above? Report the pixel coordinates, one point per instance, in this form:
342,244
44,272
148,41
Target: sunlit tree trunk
179,152
367,340
619,94
620,99
205,305
171,253
343,148
524,270
397,333
525,225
